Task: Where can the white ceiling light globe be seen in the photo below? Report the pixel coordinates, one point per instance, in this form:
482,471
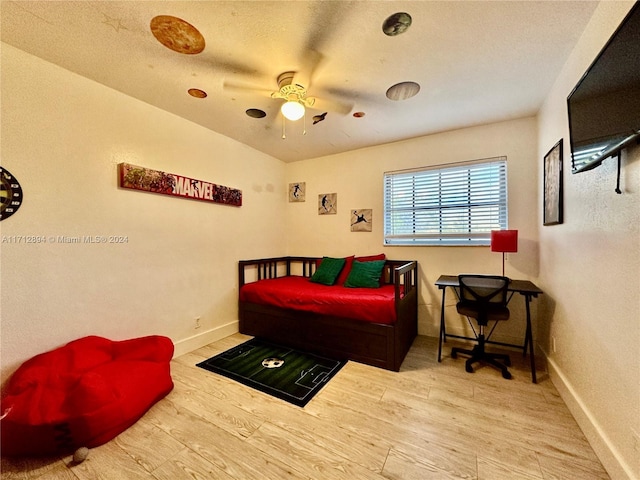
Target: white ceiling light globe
292,110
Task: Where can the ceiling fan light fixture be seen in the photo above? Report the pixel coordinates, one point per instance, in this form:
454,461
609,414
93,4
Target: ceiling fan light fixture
292,110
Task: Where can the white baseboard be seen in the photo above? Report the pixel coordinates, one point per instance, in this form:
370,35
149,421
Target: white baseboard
608,454
205,338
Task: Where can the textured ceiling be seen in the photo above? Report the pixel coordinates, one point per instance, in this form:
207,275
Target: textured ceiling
475,62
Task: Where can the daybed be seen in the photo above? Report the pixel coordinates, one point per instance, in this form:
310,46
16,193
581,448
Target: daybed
279,302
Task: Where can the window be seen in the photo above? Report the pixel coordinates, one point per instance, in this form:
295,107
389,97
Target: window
458,204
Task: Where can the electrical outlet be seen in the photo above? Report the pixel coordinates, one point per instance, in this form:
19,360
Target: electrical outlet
553,345
197,322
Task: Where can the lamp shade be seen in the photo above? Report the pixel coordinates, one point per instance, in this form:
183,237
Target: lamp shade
292,110
504,240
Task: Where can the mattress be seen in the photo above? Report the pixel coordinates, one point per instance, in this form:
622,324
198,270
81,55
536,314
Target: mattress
375,305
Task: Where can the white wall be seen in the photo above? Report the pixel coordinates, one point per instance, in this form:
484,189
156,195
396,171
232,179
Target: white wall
357,179
590,272
62,137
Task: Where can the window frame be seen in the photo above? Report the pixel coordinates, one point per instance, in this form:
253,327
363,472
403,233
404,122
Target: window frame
486,204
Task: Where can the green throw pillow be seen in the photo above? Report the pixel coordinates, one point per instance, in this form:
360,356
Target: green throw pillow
328,271
365,274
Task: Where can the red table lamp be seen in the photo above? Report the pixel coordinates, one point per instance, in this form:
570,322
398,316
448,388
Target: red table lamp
505,241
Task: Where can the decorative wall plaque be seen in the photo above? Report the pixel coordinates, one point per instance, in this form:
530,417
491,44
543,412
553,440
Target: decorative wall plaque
327,204
155,181
297,192
362,220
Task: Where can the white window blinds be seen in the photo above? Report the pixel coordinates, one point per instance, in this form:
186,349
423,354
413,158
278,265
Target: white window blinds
457,204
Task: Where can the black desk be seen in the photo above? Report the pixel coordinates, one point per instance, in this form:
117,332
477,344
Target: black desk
524,287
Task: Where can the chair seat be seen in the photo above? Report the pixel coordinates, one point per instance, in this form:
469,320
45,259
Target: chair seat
496,312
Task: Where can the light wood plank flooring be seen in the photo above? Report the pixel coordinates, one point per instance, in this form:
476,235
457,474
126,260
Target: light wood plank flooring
429,421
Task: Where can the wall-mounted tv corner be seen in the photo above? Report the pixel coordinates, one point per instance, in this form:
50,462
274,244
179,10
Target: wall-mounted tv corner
604,107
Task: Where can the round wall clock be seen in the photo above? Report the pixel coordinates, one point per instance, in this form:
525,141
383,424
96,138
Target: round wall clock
10,194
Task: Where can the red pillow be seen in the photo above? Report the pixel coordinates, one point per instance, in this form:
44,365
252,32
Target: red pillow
372,258
344,273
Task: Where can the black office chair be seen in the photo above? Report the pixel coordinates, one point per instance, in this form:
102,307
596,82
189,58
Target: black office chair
483,297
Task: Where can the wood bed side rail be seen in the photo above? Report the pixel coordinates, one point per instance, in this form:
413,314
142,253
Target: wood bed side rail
403,273
268,267
309,264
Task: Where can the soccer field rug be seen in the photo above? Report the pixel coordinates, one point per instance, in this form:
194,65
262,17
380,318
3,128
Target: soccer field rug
280,371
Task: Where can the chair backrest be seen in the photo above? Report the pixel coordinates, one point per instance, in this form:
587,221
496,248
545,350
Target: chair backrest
484,295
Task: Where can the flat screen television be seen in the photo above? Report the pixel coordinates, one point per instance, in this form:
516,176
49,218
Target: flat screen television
604,107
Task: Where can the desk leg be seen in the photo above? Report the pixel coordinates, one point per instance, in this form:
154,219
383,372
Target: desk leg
529,339
443,334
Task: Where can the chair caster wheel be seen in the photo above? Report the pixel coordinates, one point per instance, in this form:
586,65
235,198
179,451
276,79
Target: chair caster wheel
506,374
507,362
468,368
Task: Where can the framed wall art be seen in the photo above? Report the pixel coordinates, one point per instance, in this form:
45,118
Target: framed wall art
297,191
362,220
327,204
553,194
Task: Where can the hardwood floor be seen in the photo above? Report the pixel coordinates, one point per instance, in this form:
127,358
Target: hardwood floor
429,421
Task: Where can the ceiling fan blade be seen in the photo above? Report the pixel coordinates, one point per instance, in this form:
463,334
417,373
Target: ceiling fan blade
310,62
328,19
336,106
236,87
227,66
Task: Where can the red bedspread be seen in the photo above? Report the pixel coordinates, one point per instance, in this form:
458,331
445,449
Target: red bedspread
298,293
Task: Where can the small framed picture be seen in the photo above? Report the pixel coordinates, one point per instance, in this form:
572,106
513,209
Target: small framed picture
327,204
362,220
297,191
553,185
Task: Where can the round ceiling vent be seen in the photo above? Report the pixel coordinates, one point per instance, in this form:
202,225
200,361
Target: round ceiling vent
403,90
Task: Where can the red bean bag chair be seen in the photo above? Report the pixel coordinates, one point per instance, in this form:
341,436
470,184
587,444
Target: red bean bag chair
82,394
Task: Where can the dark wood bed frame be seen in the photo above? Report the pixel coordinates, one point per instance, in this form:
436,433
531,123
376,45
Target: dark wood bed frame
377,344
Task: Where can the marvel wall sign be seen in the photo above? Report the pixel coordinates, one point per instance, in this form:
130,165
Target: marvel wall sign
155,181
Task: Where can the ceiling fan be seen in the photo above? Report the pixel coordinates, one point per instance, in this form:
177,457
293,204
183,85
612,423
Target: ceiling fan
295,96
182,37
293,89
